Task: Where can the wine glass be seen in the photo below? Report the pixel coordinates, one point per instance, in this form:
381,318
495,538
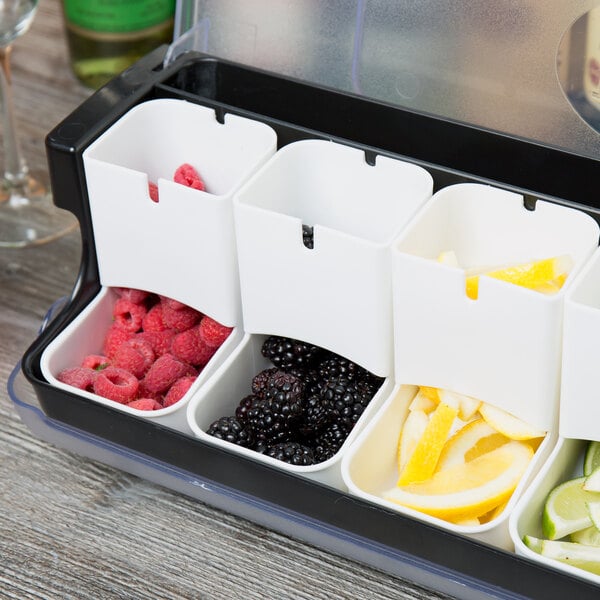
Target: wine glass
27,214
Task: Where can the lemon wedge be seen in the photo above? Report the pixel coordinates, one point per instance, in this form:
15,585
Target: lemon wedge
423,402
430,392
468,490
414,426
473,440
545,275
466,405
422,462
507,424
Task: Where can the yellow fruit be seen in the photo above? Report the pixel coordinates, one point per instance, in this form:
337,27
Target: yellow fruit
414,426
508,424
473,440
493,514
422,402
430,392
546,275
467,406
468,490
422,462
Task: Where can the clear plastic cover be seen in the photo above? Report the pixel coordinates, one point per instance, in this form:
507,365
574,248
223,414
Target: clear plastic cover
495,65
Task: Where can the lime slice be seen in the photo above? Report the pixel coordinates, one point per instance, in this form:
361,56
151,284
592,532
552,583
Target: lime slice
533,543
590,536
594,510
592,458
566,509
574,554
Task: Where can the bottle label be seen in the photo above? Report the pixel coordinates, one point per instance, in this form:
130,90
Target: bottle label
118,16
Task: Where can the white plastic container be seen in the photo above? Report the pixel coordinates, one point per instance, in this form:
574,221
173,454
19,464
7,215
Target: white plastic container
231,382
338,294
182,246
505,346
579,406
564,463
85,335
370,468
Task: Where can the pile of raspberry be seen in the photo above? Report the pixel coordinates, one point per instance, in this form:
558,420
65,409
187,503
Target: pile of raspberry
302,408
151,354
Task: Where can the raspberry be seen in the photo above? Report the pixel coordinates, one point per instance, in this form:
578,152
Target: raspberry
171,303
116,384
188,347
178,390
153,320
180,319
80,377
153,191
131,294
188,176
135,355
95,361
145,404
159,340
114,337
212,332
165,371
128,315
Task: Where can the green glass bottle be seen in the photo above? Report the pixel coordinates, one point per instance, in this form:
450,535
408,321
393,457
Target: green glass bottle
107,36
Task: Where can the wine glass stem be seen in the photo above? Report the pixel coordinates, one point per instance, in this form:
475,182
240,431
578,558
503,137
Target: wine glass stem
15,169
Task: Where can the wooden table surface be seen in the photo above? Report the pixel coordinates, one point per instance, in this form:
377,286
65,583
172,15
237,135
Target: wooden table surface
76,528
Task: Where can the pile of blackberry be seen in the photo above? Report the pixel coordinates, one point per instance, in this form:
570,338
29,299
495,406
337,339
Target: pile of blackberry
301,409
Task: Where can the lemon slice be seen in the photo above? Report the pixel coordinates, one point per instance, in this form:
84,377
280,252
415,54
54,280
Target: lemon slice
414,426
470,490
574,554
592,458
547,274
590,536
511,426
466,405
423,403
473,440
565,510
422,462
430,392
493,514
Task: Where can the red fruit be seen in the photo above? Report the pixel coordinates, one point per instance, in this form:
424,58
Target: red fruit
80,377
145,404
136,356
116,384
114,337
128,315
178,390
131,294
165,371
180,319
153,321
188,176
95,361
159,340
174,304
153,191
212,332
188,347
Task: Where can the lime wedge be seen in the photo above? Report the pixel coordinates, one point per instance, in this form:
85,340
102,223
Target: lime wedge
594,510
571,553
590,536
533,543
566,509
592,458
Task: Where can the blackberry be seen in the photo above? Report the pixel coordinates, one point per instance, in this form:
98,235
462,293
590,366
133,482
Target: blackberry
241,412
286,353
274,417
259,381
232,430
317,414
310,378
308,236
327,443
335,366
348,399
292,453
